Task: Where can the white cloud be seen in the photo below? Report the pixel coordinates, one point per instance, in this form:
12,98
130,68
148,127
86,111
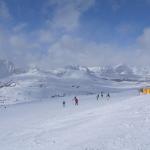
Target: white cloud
18,47
143,52
71,50
45,36
115,5
144,39
4,11
25,49
19,27
125,28
48,47
68,12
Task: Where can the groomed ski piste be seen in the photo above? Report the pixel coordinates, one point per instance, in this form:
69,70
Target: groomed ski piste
32,116
117,123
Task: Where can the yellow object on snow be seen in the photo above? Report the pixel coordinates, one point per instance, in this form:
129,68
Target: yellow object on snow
145,90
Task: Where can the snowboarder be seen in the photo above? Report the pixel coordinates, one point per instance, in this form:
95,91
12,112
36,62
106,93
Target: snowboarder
97,97
64,103
76,101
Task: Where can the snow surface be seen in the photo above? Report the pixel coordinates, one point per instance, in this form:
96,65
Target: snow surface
37,85
32,116
120,123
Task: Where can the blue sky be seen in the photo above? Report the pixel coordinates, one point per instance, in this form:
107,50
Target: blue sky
84,32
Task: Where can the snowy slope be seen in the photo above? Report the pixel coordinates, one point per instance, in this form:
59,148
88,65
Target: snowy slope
38,121
36,84
118,124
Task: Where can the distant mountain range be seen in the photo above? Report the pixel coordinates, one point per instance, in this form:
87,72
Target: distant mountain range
33,84
120,72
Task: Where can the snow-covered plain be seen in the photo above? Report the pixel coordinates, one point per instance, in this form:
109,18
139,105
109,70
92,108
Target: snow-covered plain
32,116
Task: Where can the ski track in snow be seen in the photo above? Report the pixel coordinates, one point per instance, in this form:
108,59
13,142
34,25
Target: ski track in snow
122,124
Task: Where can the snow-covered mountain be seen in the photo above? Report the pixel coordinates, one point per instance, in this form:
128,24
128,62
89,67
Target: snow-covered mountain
47,124
120,72
74,72
37,84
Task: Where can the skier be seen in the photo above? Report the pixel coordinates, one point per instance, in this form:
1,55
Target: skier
64,103
97,97
108,95
102,94
76,101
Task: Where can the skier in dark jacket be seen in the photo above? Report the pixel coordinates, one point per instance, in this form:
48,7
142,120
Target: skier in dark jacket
108,95
97,97
76,101
102,94
64,103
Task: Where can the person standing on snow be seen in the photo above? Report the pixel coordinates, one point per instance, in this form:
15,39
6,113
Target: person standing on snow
102,94
108,96
64,103
76,101
97,97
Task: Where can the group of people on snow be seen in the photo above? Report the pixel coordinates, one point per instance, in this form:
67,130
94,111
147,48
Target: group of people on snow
76,100
102,95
